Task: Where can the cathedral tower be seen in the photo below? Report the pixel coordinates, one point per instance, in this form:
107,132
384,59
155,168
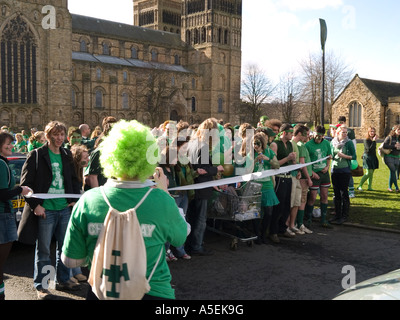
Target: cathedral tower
162,15
213,29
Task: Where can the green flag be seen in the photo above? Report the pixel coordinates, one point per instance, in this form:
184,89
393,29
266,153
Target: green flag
324,33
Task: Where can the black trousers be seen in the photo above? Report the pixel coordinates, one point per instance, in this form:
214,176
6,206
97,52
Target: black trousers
281,212
340,182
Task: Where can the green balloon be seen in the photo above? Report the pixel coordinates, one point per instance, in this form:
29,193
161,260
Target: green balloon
354,164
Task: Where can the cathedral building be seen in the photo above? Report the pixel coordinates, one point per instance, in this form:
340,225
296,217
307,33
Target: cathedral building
180,60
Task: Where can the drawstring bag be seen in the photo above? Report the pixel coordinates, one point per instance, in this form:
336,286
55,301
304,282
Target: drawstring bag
119,262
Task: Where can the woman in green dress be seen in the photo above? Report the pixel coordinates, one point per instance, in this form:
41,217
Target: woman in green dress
264,159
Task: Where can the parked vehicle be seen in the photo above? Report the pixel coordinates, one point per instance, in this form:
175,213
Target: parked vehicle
383,287
16,161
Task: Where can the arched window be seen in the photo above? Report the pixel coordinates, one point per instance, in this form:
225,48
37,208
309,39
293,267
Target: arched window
176,59
99,99
83,46
73,98
98,74
106,49
193,104
18,63
220,105
154,55
125,100
125,76
355,115
134,53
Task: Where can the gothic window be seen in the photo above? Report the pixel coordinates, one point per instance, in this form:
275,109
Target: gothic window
173,81
99,99
125,76
154,55
18,63
355,115
106,49
176,60
98,74
134,53
83,46
125,100
193,104
220,105
73,98
226,36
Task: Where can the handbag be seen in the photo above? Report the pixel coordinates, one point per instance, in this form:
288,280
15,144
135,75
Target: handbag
358,172
382,151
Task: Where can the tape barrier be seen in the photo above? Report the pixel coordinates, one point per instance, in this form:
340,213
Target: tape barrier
208,184
246,177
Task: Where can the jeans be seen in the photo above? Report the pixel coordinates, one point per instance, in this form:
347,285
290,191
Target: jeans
55,224
393,165
198,221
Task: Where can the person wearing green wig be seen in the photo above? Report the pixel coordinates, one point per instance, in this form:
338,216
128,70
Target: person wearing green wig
129,154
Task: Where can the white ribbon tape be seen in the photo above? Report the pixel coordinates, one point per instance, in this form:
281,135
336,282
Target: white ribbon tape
246,177
208,184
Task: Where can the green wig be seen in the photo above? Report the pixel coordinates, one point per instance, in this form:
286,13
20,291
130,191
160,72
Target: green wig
129,151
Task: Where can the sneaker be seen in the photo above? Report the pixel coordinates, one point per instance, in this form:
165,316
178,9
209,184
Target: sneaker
43,294
170,256
186,257
305,229
296,230
289,234
360,189
351,194
69,285
80,277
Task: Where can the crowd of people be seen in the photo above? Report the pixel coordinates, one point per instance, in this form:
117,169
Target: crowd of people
117,157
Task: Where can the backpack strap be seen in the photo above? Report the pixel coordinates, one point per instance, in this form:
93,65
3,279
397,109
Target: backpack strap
136,207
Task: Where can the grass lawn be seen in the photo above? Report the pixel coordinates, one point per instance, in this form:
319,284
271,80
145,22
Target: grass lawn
379,208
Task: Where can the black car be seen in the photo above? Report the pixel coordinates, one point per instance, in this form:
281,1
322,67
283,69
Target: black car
16,161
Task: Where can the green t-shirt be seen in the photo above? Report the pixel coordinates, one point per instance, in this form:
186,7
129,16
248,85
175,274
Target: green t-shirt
265,165
57,184
318,151
7,181
303,153
158,216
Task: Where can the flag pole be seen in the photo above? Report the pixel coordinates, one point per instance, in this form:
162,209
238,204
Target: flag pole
324,34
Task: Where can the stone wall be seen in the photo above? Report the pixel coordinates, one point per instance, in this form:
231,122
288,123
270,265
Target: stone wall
373,113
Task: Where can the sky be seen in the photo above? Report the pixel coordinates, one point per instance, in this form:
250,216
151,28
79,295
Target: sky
278,34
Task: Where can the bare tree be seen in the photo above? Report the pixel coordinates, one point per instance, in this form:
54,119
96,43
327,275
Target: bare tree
337,75
289,95
256,89
153,95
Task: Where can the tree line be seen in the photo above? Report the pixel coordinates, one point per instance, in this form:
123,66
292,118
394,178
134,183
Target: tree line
297,95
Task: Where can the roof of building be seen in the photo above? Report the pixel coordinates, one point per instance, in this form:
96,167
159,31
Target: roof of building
382,90
117,30
88,57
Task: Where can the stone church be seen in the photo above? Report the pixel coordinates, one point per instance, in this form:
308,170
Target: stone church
180,60
369,103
